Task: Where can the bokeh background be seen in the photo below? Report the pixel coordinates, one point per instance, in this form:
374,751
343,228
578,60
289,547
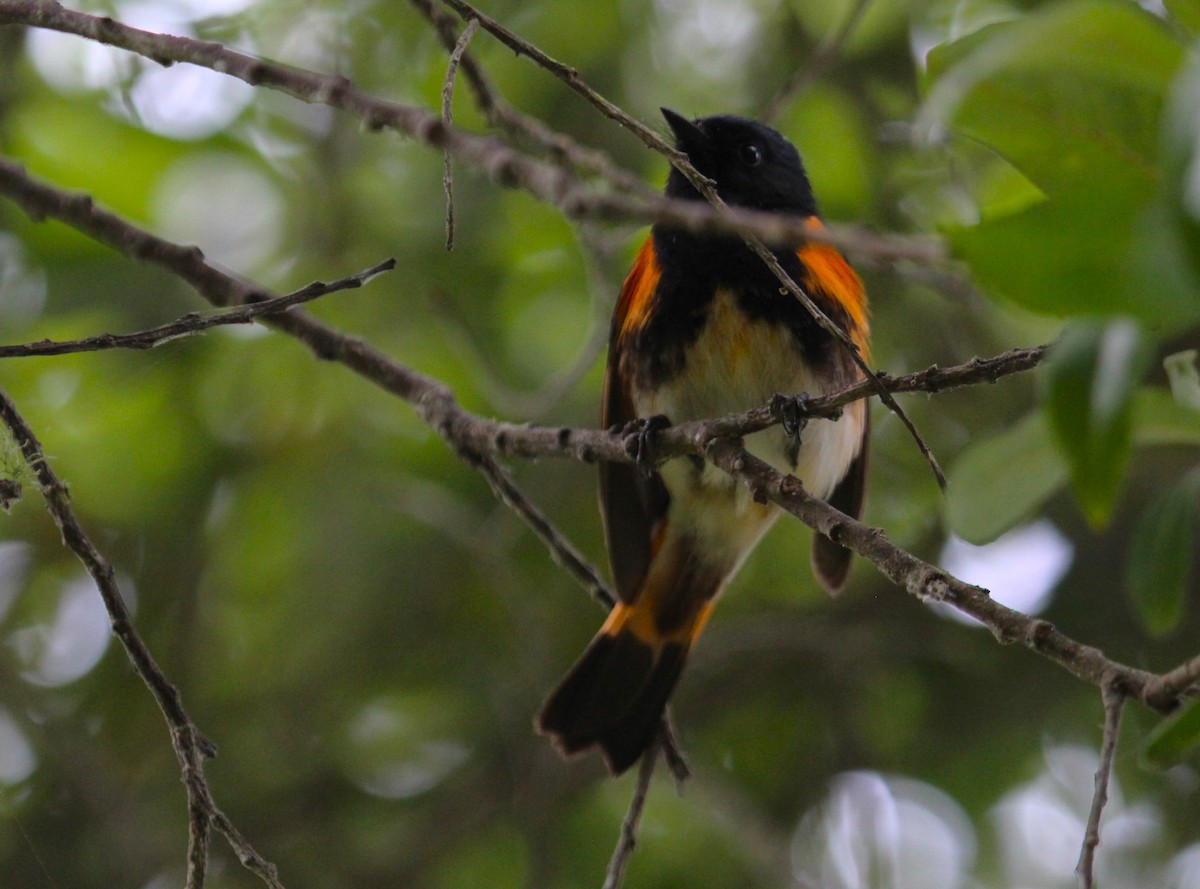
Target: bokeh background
366,633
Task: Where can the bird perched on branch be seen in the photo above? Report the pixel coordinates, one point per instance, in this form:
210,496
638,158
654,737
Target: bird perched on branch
704,328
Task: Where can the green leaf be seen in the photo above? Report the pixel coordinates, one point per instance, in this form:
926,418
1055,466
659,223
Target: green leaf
1159,282
1174,738
1186,13
1084,254
1070,95
1178,249
1165,257
1161,554
1088,386
1184,378
998,482
1158,419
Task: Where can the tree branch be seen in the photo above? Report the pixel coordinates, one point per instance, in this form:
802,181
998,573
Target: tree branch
193,323
504,116
477,440
190,746
705,187
1168,688
629,826
507,166
456,54
927,582
1114,703
570,76
435,404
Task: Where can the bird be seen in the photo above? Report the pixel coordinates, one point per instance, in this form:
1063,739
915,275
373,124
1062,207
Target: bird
703,328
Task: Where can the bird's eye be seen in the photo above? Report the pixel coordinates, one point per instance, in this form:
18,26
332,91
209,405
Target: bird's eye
750,154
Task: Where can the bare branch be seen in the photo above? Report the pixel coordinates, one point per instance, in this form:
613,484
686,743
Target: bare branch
1170,686
456,55
922,580
39,200
503,115
570,76
191,748
629,826
1114,703
193,323
478,440
561,549
432,400
504,164
704,186
436,405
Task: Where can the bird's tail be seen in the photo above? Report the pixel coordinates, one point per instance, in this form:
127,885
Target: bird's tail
614,696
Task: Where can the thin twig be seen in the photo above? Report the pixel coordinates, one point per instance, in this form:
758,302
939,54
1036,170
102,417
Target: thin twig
566,555
456,55
190,746
850,348
199,823
194,323
246,854
499,113
561,549
435,404
550,182
629,826
705,187
672,751
1170,686
568,75
1114,703
825,54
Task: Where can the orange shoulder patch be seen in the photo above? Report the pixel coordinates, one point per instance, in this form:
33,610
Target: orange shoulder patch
828,276
637,293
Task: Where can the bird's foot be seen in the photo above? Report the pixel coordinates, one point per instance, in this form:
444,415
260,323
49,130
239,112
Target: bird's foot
639,442
792,413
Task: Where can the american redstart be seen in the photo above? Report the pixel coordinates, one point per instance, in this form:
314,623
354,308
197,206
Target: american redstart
703,328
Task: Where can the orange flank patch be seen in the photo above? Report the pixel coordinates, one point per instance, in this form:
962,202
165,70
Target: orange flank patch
637,294
674,601
828,275
639,618
635,618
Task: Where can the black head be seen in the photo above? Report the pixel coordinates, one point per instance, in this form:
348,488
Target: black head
753,165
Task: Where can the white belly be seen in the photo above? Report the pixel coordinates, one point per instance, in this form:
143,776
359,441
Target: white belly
738,364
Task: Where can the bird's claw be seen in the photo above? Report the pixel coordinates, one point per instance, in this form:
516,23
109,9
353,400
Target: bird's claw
639,444
791,411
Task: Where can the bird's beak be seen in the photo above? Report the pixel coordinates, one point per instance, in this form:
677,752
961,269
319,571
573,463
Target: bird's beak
688,136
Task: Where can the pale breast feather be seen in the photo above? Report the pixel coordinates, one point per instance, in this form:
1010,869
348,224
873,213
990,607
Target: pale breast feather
738,363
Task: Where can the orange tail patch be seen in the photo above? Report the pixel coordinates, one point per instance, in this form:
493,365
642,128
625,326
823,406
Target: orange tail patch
614,696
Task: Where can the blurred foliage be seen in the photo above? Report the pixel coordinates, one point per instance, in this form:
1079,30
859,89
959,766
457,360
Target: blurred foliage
366,633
